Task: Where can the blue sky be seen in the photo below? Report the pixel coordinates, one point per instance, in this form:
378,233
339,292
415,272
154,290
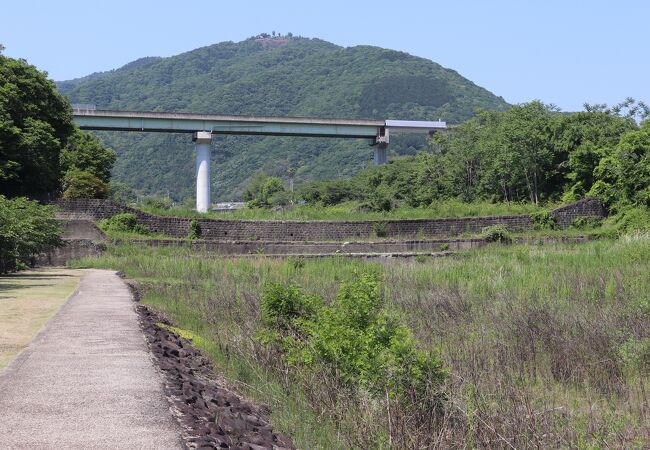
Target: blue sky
561,52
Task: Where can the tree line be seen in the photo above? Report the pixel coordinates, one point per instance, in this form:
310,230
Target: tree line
529,153
43,155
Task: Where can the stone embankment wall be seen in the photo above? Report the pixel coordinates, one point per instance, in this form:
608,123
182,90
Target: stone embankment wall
587,207
71,249
273,230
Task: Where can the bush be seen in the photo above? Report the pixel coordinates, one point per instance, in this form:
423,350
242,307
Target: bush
632,220
380,229
123,223
356,339
542,220
27,229
586,223
262,190
195,230
82,184
496,233
163,203
329,193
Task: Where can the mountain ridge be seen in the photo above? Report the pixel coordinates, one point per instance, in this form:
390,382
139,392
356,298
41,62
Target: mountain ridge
301,77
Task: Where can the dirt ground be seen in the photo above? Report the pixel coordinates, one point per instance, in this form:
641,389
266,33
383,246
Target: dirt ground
28,300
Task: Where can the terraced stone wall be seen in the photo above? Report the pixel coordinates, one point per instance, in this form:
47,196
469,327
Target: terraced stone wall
268,230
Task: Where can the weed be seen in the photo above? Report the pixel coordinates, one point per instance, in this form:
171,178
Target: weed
195,230
380,228
542,220
496,233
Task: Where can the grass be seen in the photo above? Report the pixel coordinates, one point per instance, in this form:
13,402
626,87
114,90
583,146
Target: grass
350,211
548,346
27,301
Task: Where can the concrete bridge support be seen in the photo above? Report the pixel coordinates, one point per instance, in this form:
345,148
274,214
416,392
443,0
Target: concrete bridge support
381,145
381,154
203,144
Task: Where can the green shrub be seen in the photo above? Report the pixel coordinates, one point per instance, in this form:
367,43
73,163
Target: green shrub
380,228
356,339
264,190
496,233
542,220
82,184
27,229
123,223
195,230
634,355
586,223
631,220
297,263
163,203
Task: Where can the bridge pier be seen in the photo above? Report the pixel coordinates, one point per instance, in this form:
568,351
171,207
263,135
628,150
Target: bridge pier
381,146
381,154
203,143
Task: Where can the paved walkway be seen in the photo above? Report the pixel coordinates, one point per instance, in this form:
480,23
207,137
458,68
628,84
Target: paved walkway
87,381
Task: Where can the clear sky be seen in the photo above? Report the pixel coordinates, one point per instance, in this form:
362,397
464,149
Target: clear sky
562,52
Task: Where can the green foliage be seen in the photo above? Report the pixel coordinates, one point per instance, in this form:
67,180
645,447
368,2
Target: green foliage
265,191
38,141
497,233
528,153
85,152
380,228
303,77
542,220
123,223
157,203
27,229
195,230
297,263
81,184
35,123
634,355
623,174
329,192
631,220
121,192
356,338
586,223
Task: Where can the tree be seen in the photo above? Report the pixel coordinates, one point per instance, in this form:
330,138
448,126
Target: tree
582,139
35,123
27,229
265,191
623,176
85,152
81,184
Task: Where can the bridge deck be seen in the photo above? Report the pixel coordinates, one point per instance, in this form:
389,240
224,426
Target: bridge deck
92,119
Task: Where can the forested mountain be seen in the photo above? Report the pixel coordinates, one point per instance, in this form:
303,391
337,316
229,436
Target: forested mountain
283,77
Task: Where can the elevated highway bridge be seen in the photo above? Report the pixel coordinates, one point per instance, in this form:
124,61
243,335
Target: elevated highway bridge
204,126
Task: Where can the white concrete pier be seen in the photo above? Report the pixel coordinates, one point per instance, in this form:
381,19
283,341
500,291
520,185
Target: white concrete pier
203,143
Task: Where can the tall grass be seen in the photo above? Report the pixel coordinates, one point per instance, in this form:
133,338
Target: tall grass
350,211
547,346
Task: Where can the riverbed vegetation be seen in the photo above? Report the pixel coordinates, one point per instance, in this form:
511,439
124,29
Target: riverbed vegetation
354,210
544,346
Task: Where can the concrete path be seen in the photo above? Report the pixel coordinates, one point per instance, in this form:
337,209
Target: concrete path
87,381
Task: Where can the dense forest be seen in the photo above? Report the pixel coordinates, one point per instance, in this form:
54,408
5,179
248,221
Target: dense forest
296,77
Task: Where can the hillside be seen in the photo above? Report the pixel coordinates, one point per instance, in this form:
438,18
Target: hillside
292,77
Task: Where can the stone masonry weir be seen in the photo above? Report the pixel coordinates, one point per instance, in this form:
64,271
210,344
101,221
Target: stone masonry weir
294,230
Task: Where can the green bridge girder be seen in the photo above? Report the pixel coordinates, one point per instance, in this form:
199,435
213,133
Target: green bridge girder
222,124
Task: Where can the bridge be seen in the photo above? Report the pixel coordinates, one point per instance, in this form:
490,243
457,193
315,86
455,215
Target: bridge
204,126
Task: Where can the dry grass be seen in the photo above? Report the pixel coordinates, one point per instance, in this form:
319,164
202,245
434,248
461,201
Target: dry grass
27,301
